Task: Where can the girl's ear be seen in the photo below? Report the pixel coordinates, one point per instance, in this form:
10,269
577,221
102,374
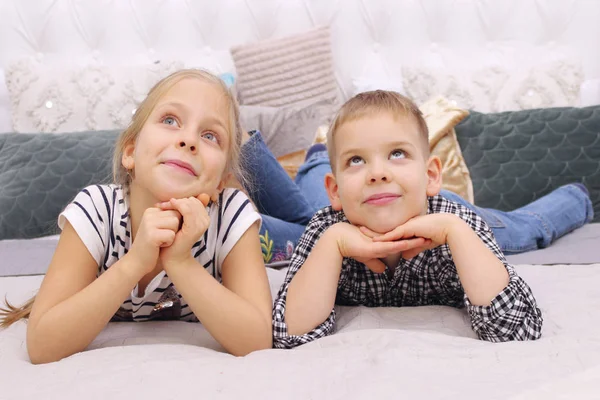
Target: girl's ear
434,176
333,191
228,177
127,159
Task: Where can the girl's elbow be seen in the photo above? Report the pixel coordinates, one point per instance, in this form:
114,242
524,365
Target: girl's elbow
39,355
40,351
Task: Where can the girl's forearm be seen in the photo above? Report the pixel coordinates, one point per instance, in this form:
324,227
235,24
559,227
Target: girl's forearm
234,322
70,326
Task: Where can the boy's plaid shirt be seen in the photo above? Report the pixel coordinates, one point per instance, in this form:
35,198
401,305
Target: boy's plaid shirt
428,279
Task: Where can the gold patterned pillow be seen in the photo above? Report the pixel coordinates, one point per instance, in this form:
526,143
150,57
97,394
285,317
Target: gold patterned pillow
442,116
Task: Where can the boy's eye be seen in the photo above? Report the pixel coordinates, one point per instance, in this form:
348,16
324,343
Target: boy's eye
210,136
170,121
356,160
396,154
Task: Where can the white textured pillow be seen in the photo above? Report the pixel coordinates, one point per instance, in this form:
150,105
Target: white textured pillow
291,70
58,98
496,89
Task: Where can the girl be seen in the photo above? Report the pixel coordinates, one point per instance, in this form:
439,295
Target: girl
158,243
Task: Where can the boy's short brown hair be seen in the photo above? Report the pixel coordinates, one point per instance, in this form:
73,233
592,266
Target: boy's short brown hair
369,103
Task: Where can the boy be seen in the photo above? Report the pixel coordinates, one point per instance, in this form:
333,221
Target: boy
389,239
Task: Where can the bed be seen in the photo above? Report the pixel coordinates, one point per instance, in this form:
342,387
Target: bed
496,59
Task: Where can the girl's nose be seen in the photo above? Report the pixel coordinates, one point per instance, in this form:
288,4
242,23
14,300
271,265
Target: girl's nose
191,147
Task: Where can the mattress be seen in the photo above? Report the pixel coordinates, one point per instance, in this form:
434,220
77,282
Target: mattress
429,352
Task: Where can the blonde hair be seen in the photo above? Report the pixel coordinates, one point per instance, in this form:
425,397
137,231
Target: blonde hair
12,314
376,102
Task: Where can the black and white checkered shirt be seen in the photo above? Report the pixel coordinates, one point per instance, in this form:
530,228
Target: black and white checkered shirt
428,279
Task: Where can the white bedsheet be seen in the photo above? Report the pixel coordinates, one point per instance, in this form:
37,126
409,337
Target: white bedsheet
423,353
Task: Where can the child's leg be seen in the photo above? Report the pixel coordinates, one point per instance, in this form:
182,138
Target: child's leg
270,187
285,211
540,222
311,176
278,238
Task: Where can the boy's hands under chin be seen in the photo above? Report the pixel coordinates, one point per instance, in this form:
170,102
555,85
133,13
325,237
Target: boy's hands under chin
195,221
355,244
434,229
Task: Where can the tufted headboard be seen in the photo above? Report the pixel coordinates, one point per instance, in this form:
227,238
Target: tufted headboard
372,40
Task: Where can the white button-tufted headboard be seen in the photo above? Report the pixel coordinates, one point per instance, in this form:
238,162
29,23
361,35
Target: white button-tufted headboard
373,40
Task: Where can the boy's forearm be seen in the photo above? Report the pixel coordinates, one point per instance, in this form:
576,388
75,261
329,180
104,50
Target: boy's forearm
311,294
70,326
482,275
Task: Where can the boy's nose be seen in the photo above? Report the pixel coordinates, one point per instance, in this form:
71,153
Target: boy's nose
378,173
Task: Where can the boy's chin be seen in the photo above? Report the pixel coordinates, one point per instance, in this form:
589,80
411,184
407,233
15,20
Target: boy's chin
383,227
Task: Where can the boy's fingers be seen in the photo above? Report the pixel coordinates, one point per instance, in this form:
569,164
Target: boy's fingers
408,244
367,232
396,234
407,255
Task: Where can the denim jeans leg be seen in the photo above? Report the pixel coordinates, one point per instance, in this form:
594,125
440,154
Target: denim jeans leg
270,188
537,224
311,179
278,239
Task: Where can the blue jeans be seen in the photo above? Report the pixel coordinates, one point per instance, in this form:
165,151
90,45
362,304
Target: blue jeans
286,206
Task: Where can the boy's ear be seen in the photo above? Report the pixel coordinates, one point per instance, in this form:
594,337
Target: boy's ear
434,176
333,191
127,159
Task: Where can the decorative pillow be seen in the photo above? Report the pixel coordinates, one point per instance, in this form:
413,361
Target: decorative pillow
441,116
517,157
41,173
61,99
291,70
494,89
286,129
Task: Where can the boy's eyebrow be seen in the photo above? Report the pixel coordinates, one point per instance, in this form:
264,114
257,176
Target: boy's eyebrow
395,144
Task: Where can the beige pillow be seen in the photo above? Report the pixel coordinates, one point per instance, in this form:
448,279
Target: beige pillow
442,116
291,70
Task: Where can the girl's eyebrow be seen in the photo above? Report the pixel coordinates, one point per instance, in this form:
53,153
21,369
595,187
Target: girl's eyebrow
209,119
174,104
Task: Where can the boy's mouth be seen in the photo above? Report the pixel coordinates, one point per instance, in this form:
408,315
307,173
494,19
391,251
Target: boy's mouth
382,198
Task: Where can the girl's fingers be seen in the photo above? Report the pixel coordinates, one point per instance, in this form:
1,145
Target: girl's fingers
165,237
204,199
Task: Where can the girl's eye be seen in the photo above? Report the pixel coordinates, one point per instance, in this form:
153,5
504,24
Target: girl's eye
356,160
170,121
396,154
210,136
